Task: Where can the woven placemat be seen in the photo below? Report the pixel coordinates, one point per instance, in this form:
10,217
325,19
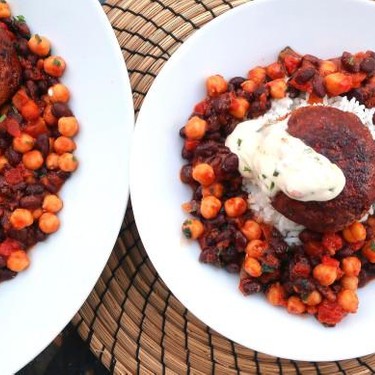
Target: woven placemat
131,320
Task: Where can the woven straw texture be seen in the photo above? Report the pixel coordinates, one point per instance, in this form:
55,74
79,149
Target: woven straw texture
131,320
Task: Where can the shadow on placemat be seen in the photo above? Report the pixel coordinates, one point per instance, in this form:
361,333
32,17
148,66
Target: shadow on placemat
66,355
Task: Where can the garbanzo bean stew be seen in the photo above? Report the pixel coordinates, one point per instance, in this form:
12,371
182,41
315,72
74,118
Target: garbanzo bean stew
37,128
320,272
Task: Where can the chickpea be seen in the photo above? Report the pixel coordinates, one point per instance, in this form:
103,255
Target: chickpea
276,295
239,107
52,161
48,116
368,251
49,223
59,93
204,174
30,111
351,266
195,128
39,45
216,85
37,213
18,261
210,207
294,305
23,143
355,232
192,229
251,230
327,67
325,274
256,248
4,10
52,203
32,159
64,144
67,162
257,75
337,83
216,189
349,282
249,86
314,298
277,88
235,207
21,218
3,162
54,66
275,71
252,267
68,126
348,300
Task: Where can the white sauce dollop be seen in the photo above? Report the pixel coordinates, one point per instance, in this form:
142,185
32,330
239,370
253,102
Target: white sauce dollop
275,160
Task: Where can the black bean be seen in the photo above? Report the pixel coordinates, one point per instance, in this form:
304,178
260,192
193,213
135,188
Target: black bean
240,241
249,286
310,59
349,62
3,262
39,235
232,268
209,256
186,174
6,274
182,132
61,110
368,65
22,47
318,86
235,83
13,157
230,163
31,202
32,89
359,94
42,144
42,87
303,75
34,189
22,28
345,252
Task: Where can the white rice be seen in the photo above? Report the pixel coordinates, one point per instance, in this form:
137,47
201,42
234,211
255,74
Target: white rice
259,202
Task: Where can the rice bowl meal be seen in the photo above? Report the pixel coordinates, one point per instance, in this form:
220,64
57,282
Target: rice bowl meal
282,170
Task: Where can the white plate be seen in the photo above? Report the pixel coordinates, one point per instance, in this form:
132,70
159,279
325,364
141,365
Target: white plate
242,38
38,303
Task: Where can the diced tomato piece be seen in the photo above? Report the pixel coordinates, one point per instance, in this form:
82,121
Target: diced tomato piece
13,176
8,246
332,242
330,313
201,107
12,126
20,98
191,145
357,79
35,128
314,248
328,261
338,83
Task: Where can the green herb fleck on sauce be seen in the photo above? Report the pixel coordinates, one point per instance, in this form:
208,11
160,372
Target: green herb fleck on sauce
276,173
264,176
20,18
2,118
38,38
247,169
267,269
56,62
187,232
239,141
372,246
272,185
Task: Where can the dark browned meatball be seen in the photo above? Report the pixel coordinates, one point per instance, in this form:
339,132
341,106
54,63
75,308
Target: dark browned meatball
344,140
10,68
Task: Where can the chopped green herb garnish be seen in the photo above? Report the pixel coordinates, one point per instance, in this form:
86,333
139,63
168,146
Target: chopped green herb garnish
308,150
187,222
56,62
267,269
239,141
186,232
272,185
264,176
247,169
38,38
3,117
331,189
276,173
74,158
20,18
372,246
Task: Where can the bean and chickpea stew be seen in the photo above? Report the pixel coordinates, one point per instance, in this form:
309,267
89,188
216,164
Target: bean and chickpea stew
320,276
37,128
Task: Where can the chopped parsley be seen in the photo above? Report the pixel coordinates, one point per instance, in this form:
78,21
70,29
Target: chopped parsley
276,173
372,246
331,189
239,141
20,18
56,62
267,269
3,117
187,233
272,185
247,169
264,176
38,38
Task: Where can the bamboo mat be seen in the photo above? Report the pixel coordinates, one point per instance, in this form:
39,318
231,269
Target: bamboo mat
131,320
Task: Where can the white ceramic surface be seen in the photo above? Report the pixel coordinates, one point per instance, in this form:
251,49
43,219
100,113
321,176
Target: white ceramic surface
38,303
242,38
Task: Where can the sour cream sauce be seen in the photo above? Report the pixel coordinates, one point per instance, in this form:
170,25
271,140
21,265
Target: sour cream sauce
275,160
